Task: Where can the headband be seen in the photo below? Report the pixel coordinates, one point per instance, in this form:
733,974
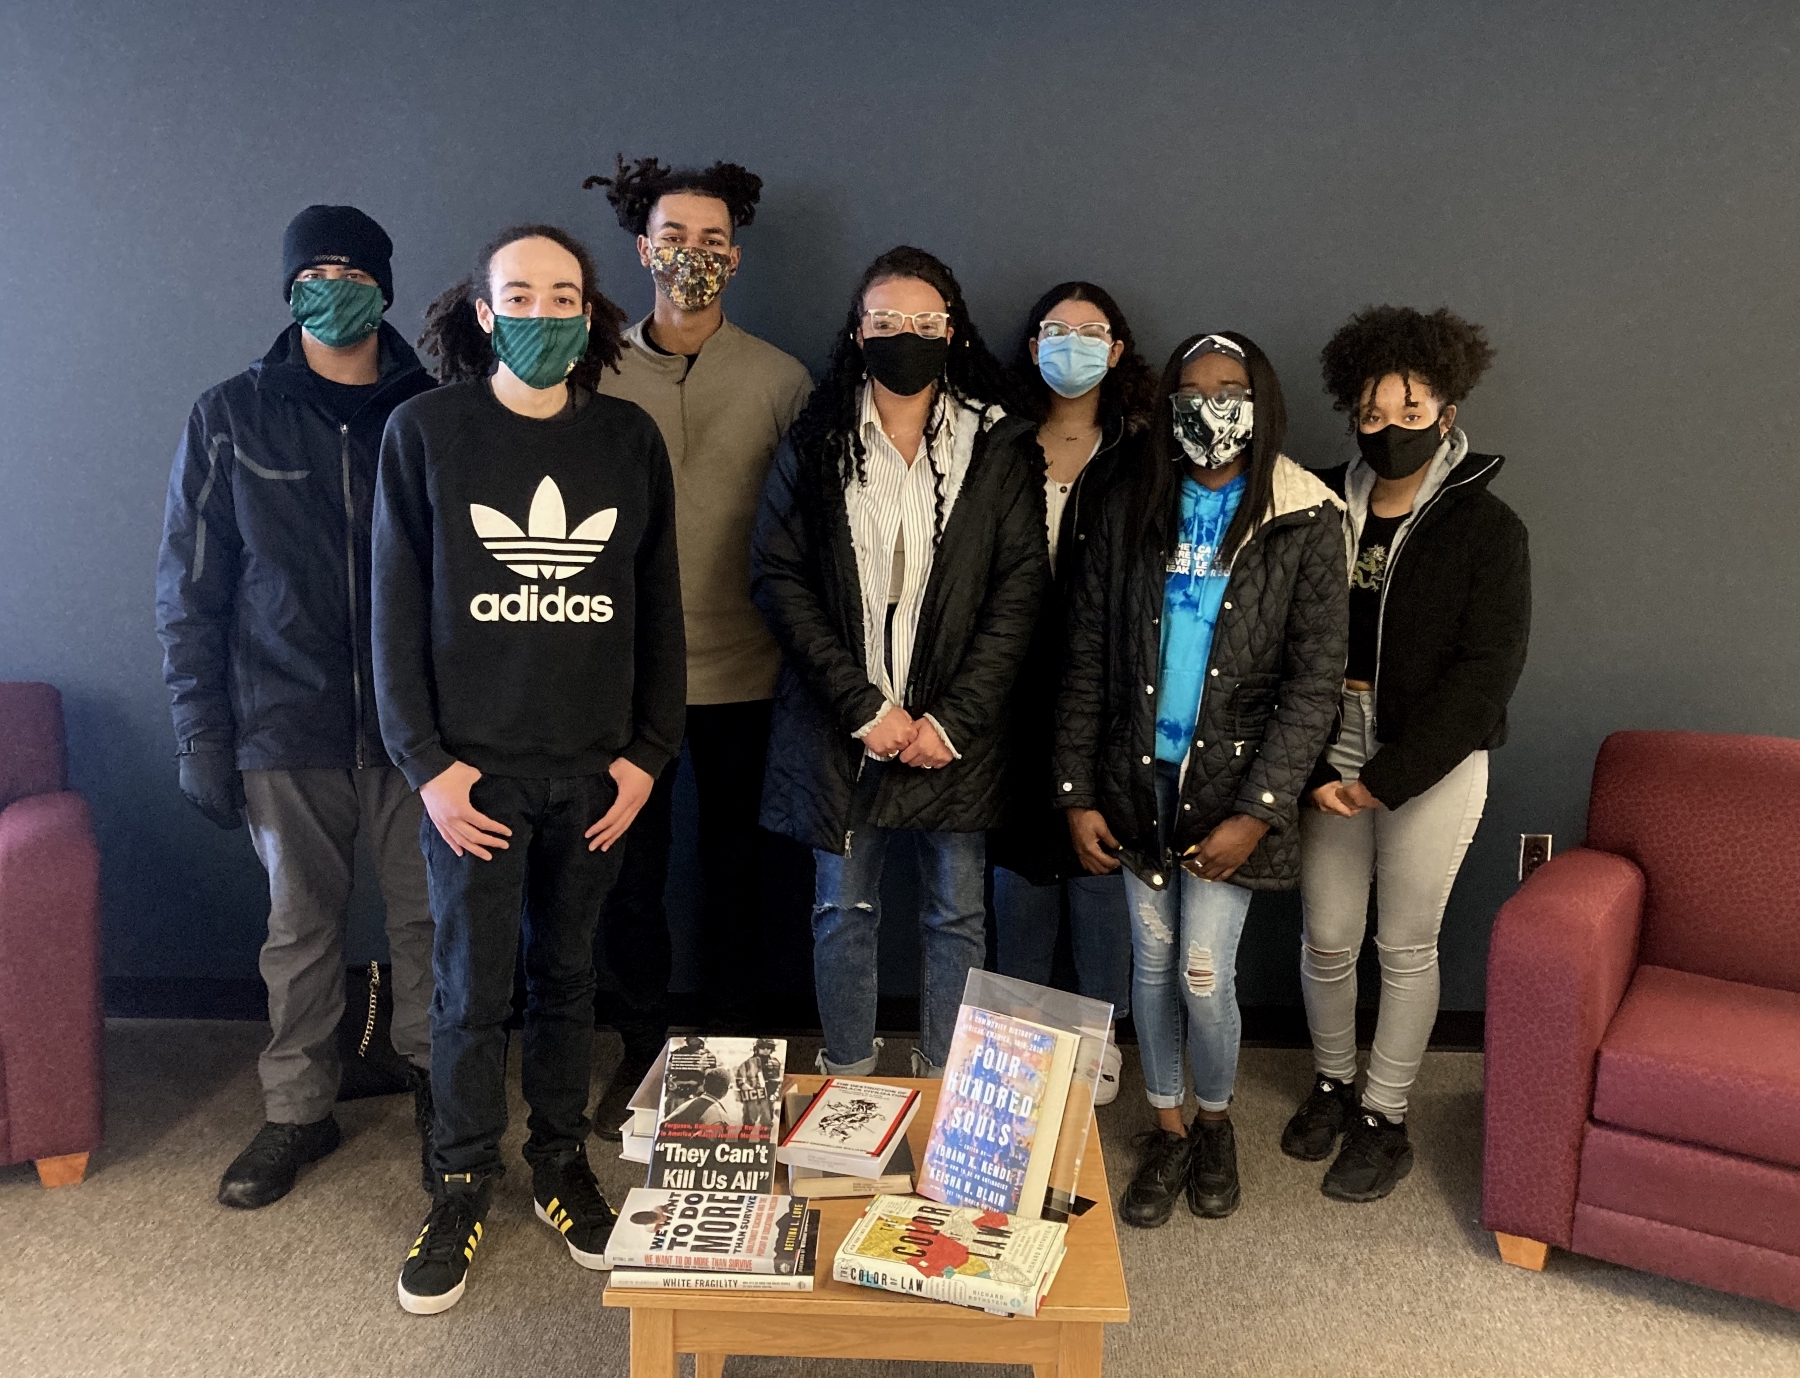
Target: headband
1215,344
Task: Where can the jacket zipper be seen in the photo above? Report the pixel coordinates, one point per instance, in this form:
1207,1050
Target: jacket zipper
1387,579
350,587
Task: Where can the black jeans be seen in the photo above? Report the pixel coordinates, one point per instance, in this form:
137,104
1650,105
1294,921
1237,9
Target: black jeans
727,743
548,879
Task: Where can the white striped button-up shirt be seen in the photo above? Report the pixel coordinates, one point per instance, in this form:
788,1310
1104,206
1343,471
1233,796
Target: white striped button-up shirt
897,506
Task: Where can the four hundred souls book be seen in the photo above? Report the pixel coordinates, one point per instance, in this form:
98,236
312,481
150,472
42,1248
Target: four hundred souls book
730,1232
966,1255
720,1110
993,1137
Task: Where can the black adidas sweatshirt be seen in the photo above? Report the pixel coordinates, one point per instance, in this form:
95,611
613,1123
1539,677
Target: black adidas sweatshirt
527,601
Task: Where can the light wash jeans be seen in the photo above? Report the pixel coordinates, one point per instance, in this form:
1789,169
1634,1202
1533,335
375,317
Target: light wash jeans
1029,917
1184,950
1413,854
846,926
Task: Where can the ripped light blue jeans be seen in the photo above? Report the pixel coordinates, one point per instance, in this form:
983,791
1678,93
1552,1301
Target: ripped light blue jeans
1184,943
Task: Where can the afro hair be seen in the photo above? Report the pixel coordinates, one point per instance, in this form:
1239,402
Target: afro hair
1443,350
636,187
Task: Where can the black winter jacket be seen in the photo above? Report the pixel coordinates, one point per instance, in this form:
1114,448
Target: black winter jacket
1033,840
262,583
981,603
1273,684
1455,619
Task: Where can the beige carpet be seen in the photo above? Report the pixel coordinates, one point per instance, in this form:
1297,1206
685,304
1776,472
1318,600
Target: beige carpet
137,1271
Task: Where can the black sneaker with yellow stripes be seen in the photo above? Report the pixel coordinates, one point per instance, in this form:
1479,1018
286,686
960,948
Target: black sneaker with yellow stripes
437,1267
568,1200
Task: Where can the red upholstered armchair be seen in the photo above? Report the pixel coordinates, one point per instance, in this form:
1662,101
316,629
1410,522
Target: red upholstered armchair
1643,1024
50,1012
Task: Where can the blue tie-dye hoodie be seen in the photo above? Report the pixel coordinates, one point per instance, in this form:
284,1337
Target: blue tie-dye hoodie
1191,598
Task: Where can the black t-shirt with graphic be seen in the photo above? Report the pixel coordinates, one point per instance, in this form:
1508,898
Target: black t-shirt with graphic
1366,580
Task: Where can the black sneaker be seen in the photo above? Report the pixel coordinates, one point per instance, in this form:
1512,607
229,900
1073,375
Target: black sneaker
1212,1177
615,1103
265,1171
1375,1156
424,1122
1162,1167
568,1200
437,1267
1313,1131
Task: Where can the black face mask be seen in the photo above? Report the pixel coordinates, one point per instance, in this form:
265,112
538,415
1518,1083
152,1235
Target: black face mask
1395,452
904,364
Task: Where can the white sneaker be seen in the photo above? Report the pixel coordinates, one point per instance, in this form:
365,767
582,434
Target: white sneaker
1106,1090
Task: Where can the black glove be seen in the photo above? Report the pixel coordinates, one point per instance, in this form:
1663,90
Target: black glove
210,780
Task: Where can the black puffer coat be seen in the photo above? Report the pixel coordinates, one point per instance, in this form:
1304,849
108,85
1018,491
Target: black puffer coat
262,584
1272,688
1033,841
981,604
1455,620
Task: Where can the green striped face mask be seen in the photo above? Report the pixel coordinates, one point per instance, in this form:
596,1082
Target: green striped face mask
337,311
540,350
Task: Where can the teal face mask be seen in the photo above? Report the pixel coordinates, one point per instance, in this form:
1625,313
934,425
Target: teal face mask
540,350
337,311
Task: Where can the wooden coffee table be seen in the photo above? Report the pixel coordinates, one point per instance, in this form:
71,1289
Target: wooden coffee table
840,1321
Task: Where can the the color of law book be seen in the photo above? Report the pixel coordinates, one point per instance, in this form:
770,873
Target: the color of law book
732,1232
850,1127
993,1138
719,1114
711,1280
958,1254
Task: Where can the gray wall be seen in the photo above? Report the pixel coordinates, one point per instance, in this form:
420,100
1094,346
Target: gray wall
1610,189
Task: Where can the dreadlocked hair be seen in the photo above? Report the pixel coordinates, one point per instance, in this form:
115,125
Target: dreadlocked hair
1155,489
465,352
1441,350
1129,388
827,434
636,187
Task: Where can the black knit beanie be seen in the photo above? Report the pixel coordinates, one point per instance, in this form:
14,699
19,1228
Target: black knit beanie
336,234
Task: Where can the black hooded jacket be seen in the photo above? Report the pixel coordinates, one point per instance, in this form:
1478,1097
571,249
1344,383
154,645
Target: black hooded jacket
262,583
1273,682
1455,620
980,608
1033,840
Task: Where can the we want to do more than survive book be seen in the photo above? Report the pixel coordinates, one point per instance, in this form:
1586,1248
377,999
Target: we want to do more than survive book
732,1280
720,1115
732,1232
993,1138
960,1254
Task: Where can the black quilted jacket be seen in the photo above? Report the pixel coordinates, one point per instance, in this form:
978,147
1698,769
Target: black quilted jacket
980,606
1273,682
1034,838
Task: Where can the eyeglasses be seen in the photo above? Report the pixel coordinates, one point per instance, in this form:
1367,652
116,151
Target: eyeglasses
927,325
1192,399
1089,330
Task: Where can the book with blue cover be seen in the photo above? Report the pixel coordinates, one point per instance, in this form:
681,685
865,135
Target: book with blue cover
999,1112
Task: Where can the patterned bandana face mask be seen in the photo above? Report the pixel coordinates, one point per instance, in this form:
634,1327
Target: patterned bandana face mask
1213,431
540,350
691,278
337,311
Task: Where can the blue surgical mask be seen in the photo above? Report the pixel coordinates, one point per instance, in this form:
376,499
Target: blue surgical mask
1073,364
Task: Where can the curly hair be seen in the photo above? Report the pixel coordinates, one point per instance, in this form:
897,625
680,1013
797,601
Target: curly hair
827,434
1130,386
1155,489
1443,351
464,351
636,187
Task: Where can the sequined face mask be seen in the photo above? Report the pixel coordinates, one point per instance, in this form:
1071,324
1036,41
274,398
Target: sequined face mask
691,278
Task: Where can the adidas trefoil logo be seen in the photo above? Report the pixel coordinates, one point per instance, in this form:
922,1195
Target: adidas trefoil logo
546,549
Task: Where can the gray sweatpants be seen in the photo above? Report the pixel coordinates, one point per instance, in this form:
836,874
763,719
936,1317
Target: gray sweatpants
1413,853
304,825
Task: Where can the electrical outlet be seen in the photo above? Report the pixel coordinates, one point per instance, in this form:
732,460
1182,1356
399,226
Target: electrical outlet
1534,851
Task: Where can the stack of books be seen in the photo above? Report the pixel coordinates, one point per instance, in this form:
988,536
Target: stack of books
961,1254
736,1241
849,1139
